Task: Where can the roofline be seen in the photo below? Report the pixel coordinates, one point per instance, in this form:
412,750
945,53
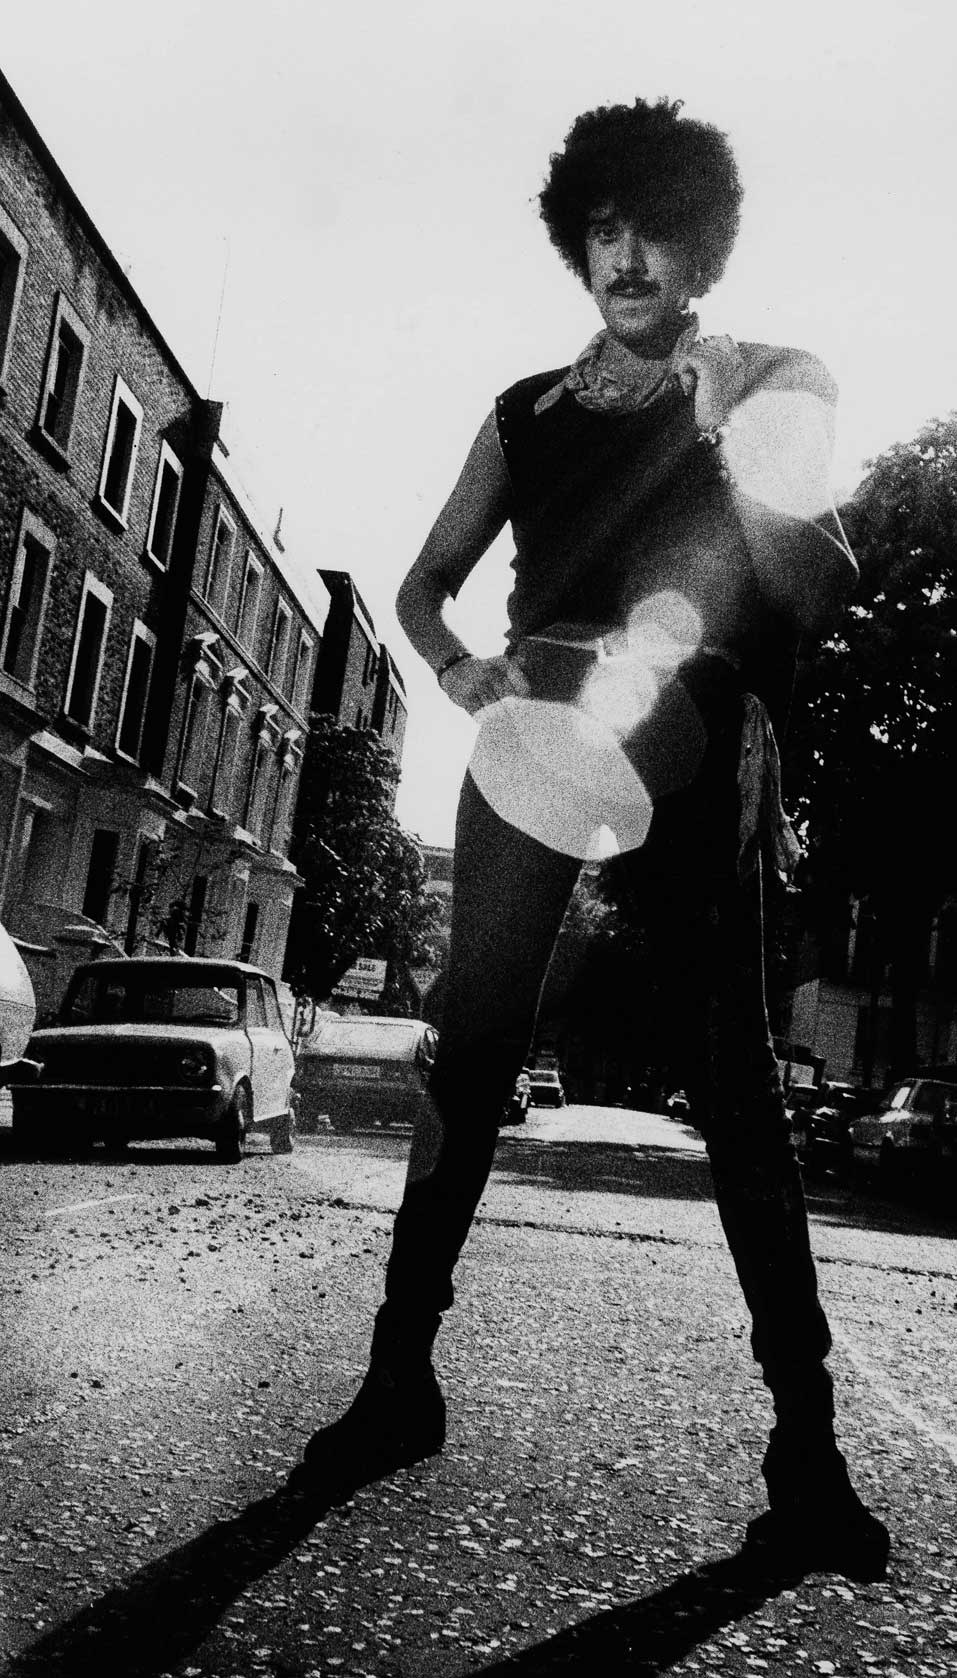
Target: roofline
31,133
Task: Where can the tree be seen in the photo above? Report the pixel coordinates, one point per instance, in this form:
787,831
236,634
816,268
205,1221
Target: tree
364,877
869,754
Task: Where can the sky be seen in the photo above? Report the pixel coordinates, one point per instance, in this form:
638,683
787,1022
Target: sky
329,210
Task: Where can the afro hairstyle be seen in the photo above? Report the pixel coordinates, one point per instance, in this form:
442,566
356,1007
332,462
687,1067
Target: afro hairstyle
676,176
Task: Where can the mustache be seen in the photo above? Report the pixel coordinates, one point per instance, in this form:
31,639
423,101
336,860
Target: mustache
633,282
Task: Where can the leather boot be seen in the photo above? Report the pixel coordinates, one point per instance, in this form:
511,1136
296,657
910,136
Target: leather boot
816,1522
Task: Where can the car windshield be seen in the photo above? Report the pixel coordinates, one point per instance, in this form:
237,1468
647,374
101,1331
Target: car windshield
545,1077
112,998
364,1039
930,1097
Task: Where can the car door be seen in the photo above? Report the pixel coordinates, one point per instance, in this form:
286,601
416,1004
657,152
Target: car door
266,1049
284,1060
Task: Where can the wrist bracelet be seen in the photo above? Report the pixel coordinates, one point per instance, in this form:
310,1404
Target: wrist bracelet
455,658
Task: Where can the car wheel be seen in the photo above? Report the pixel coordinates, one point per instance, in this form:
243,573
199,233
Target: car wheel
280,1134
888,1180
232,1132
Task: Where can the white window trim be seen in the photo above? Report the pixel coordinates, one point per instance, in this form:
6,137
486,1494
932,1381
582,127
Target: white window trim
304,652
166,458
222,518
30,526
18,244
199,677
252,564
140,633
91,585
121,393
64,311
275,676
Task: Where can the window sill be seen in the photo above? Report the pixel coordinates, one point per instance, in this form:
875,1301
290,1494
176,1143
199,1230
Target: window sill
22,694
109,514
80,733
154,563
55,453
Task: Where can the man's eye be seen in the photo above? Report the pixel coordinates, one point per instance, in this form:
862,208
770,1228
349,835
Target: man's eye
605,232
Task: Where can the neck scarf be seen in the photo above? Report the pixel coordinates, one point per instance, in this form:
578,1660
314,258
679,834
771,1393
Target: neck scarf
627,389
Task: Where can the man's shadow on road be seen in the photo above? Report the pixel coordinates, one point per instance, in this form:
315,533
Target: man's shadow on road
165,1611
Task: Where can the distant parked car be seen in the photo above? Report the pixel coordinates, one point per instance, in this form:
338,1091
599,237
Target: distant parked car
363,1069
911,1139
161,1047
17,1010
545,1087
516,1110
677,1105
827,1133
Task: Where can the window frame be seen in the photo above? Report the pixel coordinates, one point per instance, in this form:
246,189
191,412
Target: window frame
283,611
253,563
122,394
63,313
304,651
31,529
166,458
11,290
222,519
100,592
140,632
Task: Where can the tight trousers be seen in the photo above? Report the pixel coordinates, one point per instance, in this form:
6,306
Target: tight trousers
510,894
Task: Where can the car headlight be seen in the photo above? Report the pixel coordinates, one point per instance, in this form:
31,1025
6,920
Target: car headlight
194,1063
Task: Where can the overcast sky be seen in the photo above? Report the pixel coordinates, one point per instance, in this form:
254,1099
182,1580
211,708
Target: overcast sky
363,177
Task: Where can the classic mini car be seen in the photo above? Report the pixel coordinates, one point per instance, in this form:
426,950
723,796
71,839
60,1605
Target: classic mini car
912,1139
17,1012
545,1087
162,1047
363,1069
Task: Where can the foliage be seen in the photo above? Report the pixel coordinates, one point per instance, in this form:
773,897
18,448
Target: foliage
364,876
867,761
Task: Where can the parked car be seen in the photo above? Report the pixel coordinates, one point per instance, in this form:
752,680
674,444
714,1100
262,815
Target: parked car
545,1087
827,1127
516,1110
161,1047
17,1011
362,1069
911,1139
677,1106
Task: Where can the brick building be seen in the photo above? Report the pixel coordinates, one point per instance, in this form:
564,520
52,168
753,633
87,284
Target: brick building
357,679
155,654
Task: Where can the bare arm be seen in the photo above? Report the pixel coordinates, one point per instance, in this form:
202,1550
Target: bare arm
465,529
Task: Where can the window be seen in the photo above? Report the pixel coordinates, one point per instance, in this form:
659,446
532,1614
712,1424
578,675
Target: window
300,685
258,787
250,924
89,646
220,560
139,665
169,481
222,796
99,877
194,914
273,1010
196,757
64,375
249,601
20,647
13,255
255,1006
119,456
370,666
279,643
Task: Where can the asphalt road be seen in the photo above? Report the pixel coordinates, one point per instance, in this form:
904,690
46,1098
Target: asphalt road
174,1329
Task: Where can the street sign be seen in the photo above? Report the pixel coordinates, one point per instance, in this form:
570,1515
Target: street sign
422,978
365,978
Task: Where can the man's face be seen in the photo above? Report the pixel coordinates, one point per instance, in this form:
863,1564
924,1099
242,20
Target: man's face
641,285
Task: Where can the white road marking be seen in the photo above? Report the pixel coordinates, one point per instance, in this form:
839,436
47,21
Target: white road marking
85,1205
941,1437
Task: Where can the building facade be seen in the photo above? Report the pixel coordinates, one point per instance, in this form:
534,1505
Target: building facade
357,679
155,657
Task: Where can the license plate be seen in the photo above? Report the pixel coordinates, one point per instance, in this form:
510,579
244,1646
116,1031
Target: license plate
345,1070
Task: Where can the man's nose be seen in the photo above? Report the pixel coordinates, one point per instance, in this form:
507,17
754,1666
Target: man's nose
632,251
